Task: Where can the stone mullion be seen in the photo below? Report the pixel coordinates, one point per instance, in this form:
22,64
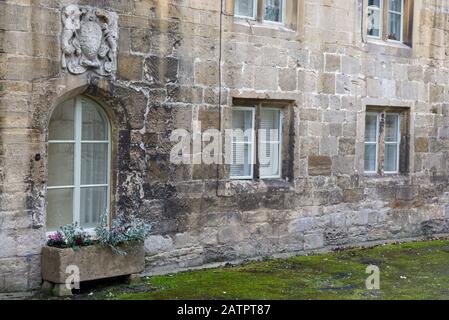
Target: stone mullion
404,149
385,20
381,143
256,141
229,7
260,13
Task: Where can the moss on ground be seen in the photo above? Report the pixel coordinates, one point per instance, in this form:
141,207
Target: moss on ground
417,270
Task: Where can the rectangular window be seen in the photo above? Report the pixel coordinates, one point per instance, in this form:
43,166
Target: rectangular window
264,10
274,10
375,18
242,149
245,8
390,20
384,148
256,143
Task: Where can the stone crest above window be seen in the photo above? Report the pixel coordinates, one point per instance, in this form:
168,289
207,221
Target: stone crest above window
89,40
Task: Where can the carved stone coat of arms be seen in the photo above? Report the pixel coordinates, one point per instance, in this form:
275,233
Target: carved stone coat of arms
89,40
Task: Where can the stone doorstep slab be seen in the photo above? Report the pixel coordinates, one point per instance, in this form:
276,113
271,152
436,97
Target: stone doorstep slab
94,262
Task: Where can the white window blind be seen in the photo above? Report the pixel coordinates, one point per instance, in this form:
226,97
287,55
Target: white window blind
270,143
371,142
242,143
392,143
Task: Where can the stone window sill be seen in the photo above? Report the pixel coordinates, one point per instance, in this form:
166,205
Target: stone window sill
262,28
389,47
396,178
232,187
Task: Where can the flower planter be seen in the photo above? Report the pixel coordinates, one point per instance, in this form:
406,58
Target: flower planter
93,262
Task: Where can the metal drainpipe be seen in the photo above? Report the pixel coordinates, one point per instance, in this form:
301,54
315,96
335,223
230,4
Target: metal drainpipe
219,88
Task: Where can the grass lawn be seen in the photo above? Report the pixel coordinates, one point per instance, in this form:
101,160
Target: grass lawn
417,270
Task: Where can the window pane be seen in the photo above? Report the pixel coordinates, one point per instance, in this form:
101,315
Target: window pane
395,5
370,157
242,123
273,10
269,160
391,157
374,22
60,164
241,160
242,143
391,127
269,125
371,128
394,26
59,208
62,122
269,147
94,163
244,8
94,123
93,205
374,3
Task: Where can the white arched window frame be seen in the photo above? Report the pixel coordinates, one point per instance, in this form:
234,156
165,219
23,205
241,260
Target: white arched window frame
86,165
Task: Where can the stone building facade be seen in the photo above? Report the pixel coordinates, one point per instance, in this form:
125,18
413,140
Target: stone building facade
180,61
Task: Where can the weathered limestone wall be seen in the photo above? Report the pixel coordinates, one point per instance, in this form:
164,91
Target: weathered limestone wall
168,76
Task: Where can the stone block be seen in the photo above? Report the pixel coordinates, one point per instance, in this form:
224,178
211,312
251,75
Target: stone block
157,244
161,71
342,165
346,146
421,144
140,40
328,83
129,67
319,165
266,78
332,63
288,79
313,241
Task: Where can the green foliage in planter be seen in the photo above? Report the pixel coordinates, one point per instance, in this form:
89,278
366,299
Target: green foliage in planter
122,231
70,236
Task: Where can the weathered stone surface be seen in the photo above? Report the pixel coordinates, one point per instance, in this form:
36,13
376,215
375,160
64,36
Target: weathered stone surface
320,166
129,67
421,144
93,262
161,71
325,76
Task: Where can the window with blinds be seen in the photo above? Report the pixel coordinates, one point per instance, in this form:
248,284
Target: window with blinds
242,143
269,133
270,143
386,141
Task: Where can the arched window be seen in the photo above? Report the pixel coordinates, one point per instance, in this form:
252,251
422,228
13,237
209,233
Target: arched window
78,164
